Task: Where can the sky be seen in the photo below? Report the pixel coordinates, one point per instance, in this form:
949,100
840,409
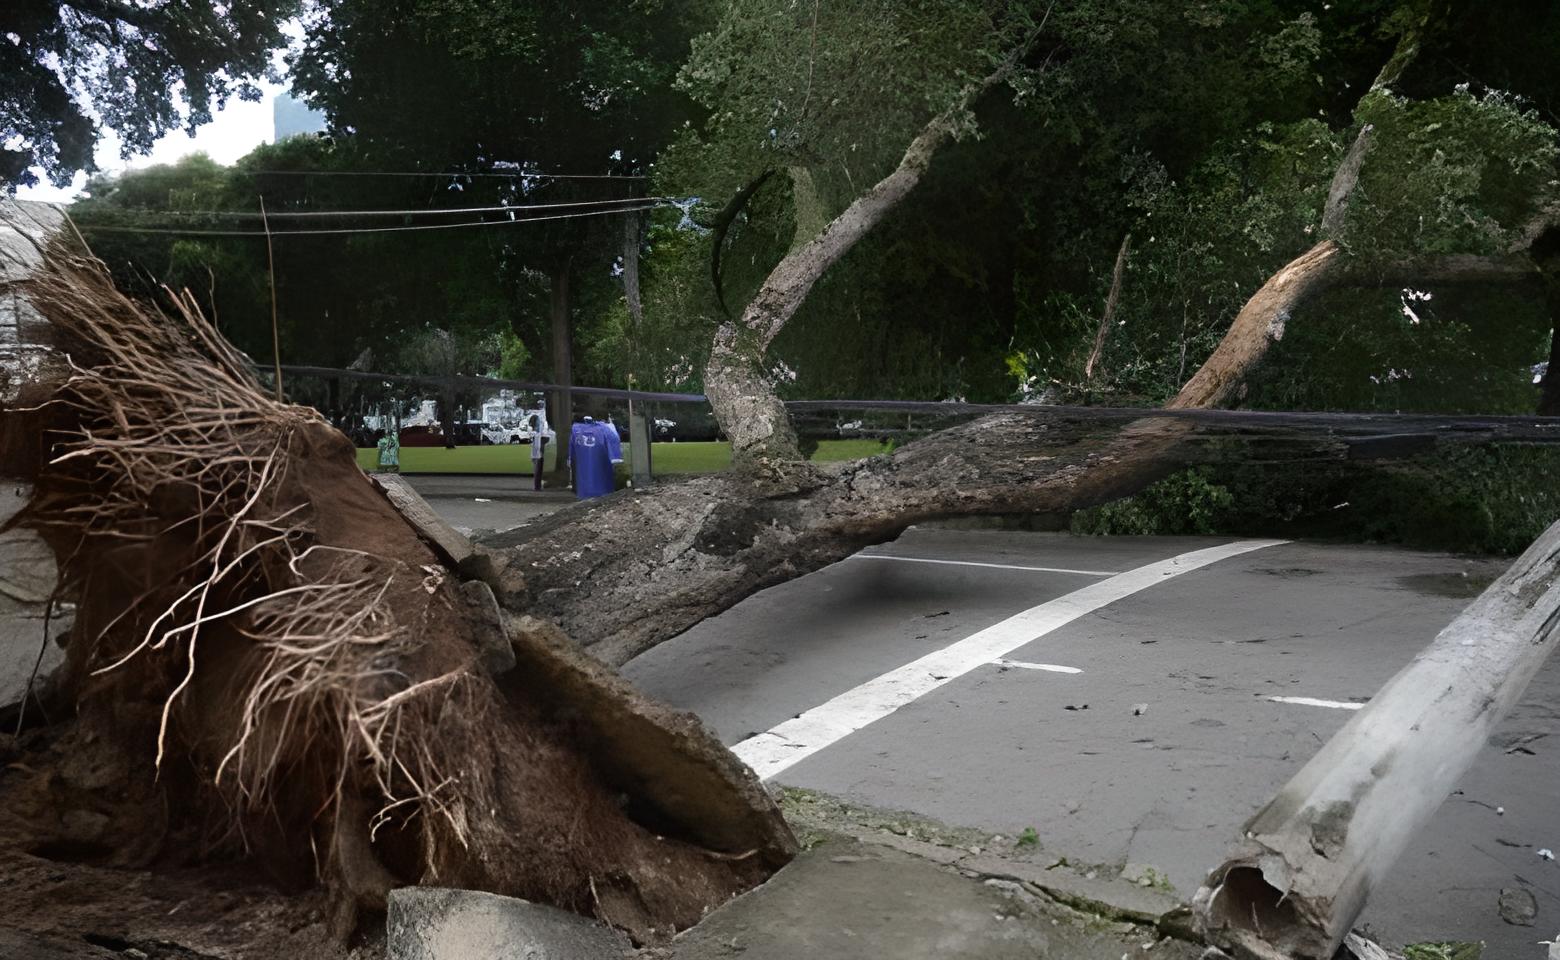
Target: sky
235,130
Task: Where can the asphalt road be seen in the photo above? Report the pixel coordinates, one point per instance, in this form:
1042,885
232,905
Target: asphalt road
1138,728
1129,720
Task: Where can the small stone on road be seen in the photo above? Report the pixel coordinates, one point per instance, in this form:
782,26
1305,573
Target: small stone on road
1518,906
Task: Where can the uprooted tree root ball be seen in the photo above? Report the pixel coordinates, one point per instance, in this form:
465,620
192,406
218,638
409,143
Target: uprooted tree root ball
267,662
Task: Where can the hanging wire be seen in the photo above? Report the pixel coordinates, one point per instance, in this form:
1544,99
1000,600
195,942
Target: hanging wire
522,174
184,231
420,212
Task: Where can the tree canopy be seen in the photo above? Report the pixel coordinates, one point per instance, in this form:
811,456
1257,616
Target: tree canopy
70,70
1208,133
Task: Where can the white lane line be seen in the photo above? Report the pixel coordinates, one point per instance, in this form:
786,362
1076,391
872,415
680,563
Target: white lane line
976,563
802,736
1054,668
1313,702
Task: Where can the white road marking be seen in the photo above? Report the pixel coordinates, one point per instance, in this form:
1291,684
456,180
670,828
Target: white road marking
802,736
1054,668
1313,702
975,563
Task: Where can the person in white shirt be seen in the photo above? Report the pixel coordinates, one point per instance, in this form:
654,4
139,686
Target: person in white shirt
538,447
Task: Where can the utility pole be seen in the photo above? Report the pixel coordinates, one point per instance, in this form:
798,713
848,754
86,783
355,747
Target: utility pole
276,337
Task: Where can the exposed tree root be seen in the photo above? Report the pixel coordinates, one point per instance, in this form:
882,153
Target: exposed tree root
269,662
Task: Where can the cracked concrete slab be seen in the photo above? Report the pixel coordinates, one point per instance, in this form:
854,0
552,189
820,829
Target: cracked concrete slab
845,898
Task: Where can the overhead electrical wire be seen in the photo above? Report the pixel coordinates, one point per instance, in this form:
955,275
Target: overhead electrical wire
182,231
419,212
437,173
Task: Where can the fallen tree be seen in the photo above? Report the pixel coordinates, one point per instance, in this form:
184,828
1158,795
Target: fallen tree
628,572
224,550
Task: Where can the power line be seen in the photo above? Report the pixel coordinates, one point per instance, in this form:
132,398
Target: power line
1407,429
523,174
345,230
419,212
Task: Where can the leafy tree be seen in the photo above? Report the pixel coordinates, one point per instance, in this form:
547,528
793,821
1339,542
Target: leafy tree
337,295
556,87
69,70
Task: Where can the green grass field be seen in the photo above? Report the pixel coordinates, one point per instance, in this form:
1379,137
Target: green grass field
666,458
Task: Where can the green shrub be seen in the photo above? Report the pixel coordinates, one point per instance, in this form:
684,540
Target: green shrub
1469,499
1188,502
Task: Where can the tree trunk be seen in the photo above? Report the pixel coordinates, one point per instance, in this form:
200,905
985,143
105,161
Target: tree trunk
447,411
1312,856
631,238
560,412
626,572
738,387
743,396
1549,387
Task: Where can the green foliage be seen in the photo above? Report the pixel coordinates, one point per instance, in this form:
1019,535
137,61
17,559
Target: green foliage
837,88
70,70
1432,350
1028,838
1446,950
437,351
1478,500
337,296
1204,243
1188,502
1454,174
513,357
561,86
668,351
557,85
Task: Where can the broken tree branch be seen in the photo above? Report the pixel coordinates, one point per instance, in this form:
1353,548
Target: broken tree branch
1344,180
1111,300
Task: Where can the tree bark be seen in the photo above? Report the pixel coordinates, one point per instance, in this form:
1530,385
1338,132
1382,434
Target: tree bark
1344,180
560,411
1259,325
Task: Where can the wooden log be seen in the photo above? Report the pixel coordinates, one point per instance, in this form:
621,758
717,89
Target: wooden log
1311,858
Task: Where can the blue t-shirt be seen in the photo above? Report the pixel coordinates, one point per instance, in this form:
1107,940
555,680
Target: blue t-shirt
594,447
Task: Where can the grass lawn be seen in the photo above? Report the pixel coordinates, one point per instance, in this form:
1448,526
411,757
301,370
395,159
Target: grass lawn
665,458
499,458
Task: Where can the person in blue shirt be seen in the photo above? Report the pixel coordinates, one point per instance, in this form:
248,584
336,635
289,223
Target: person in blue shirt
593,449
